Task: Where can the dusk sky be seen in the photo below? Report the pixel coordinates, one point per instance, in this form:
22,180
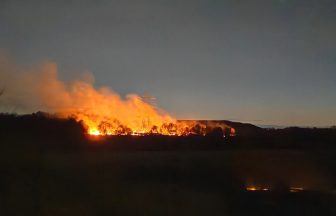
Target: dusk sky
268,62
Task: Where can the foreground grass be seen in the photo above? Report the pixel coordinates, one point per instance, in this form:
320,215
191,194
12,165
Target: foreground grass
148,183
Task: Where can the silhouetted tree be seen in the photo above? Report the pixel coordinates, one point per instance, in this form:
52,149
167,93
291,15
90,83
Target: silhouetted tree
216,132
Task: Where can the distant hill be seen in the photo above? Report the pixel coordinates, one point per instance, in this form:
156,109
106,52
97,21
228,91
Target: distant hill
242,129
272,126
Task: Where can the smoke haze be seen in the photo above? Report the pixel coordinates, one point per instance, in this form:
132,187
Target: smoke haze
37,88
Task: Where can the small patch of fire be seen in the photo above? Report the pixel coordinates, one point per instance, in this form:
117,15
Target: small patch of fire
257,188
252,188
295,189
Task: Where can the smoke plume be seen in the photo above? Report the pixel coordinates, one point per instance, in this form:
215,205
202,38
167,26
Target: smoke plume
38,88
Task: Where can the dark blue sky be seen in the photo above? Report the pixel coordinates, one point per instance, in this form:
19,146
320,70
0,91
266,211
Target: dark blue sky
262,61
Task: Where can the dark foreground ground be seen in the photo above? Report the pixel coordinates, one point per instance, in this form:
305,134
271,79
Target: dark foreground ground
50,168
166,183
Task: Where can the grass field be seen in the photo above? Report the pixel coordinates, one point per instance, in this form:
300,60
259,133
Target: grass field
154,182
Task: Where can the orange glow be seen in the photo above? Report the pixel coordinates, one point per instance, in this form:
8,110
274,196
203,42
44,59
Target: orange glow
295,189
94,132
100,110
147,121
256,188
251,188
267,188
103,111
232,132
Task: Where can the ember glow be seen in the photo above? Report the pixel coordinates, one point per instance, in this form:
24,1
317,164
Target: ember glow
296,189
257,188
268,188
101,110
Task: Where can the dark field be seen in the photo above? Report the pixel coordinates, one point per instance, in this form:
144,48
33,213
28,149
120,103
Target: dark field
166,183
50,168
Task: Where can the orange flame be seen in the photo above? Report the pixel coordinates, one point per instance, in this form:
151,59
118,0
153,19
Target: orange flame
101,111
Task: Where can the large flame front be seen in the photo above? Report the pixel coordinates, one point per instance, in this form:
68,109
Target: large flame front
105,113
101,111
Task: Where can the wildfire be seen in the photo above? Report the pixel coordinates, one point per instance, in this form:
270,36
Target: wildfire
169,128
101,110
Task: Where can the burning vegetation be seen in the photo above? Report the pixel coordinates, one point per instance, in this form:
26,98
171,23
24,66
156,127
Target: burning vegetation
100,110
98,125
